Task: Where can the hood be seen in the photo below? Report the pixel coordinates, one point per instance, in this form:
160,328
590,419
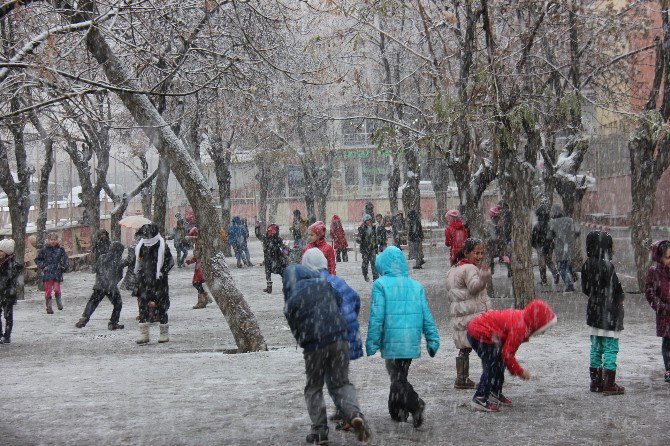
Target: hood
456,224
392,262
149,230
542,212
314,259
599,245
273,229
538,317
657,250
366,217
336,218
237,220
318,228
294,275
116,248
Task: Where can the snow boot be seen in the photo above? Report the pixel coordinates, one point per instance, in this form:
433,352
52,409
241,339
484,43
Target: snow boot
317,438
59,302
81,323
144,333
360,427
239,264
50,309
610,387
163,336
114,326
417,415
596,379
202,302
268,289
462,369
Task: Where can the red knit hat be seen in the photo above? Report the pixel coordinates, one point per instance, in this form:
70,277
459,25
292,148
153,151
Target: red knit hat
318,228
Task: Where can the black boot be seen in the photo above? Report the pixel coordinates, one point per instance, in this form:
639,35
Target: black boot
268,289
596,379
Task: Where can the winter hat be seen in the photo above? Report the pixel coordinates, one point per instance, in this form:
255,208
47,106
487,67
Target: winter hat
314,259
318,228
453,213
7,246
366,217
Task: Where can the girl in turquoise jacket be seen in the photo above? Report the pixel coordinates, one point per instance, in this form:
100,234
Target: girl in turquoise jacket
399,315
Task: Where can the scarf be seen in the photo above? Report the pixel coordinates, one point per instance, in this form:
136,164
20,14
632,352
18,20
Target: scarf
464,262
161,253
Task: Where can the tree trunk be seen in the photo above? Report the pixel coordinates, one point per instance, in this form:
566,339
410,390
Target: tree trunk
161,195
394,183
43,184
221,156
239,316
147,193
411,196
439,175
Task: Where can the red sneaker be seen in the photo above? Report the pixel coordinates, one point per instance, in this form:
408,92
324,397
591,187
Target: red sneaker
480,403
500,399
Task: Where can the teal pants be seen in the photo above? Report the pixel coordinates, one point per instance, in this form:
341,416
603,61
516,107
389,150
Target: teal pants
603,352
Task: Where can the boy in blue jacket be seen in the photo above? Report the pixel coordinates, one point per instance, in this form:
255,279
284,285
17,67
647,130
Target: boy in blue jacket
399,315
312,310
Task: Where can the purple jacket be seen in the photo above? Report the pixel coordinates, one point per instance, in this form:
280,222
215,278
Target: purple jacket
657,291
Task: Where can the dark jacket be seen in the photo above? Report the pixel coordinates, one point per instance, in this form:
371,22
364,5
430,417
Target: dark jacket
147,283
9,272
541,237
414,228
237,233
600,283
109,268
380,234
367,238
52,261
273,249
657,289
101,244
312,308
351,306
130,280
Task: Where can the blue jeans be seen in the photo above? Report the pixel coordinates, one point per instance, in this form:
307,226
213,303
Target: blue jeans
182,252
564,271
493,368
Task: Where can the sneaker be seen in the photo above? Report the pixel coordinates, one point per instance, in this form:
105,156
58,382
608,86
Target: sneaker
6,339
317,439
360,427
417,416
480,403
500,399
113,326
667,374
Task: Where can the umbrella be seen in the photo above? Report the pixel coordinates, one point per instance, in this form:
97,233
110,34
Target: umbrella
134,221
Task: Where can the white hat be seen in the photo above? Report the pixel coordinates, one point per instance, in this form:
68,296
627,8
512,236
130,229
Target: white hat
314,259
7,246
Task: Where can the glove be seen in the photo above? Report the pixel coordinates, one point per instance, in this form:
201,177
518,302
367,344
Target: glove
431,352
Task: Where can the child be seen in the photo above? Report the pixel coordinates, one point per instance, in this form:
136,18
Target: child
367,240
274,258
339,239
198,280
564,233
496,336
237,239
52,260
399,315
10,270
415,237
351,306
153,262
312,310
657,291
455,234
317,239
466,289
604,312
108,270
380,232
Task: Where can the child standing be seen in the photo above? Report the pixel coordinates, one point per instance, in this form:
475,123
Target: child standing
399,315
339,239
657,291
10,270
466,289
496,336
604,312
367,240
52,260
455,234
274,258
317,239
198,280
108,270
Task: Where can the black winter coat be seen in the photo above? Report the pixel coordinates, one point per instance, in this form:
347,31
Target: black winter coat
414,229
109,268
274,258
541,237
9,272
312,308
147,284
367,238
600,283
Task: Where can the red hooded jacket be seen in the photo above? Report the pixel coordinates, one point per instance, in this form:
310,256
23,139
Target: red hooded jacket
319,228
337,233
455,236
657,290
510,328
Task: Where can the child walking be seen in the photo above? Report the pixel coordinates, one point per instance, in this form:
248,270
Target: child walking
10,270
274,258
466,289
496,336
52,260
455,234
198,280
399,315
108,270
604,312
657,291
339,239
367,240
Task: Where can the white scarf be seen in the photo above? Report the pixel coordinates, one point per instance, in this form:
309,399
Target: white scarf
161,253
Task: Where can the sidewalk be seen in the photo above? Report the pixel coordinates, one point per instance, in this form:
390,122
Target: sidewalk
67,386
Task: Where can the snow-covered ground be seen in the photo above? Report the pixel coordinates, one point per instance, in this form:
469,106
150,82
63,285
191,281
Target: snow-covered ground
63,385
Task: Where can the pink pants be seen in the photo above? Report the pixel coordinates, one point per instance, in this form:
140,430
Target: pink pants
51,285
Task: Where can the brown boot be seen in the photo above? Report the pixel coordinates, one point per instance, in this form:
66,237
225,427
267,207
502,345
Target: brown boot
610,387
462,369
50,309
202,302
596,379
